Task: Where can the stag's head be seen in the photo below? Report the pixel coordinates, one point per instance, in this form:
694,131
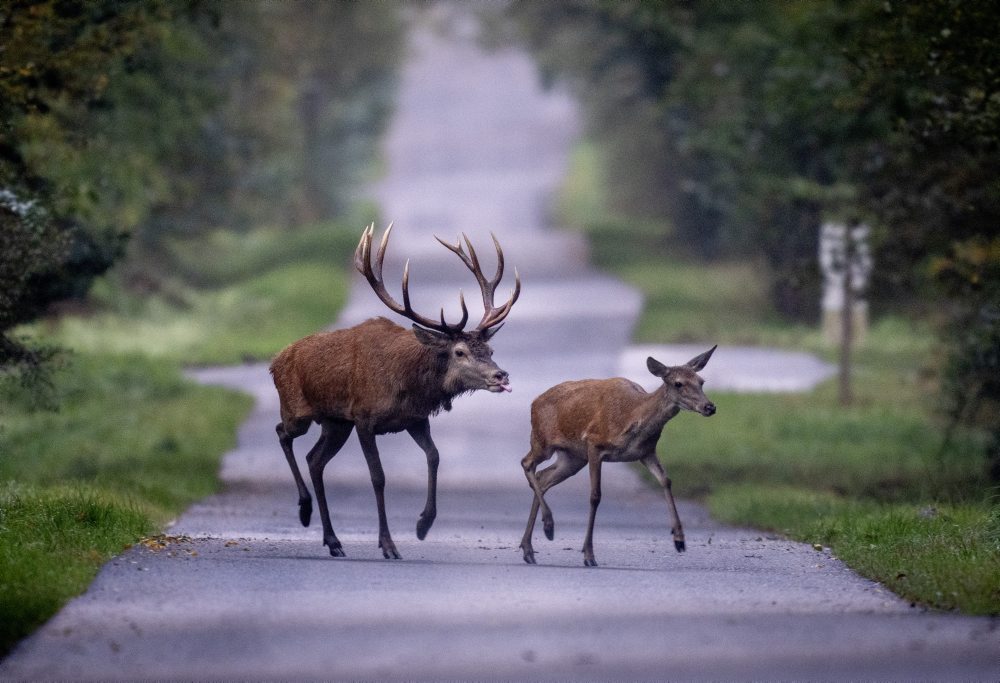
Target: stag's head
467,355
682,383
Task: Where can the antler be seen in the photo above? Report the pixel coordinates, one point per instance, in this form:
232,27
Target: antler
363,262
492,316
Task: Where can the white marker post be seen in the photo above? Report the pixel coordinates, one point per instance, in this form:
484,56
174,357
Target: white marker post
846,261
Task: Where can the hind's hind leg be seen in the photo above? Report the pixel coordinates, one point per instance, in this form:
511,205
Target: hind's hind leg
564,467
286,434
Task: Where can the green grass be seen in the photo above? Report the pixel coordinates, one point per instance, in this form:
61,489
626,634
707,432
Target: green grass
874,481
233,298
52,542
131,445
944,556
250,320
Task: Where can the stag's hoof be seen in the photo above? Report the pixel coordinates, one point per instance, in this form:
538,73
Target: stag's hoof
549,527
424,524
336,550
389,551
679,545
305,510
589,561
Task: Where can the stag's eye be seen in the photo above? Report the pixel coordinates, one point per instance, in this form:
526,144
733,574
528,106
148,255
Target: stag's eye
459,353
679,384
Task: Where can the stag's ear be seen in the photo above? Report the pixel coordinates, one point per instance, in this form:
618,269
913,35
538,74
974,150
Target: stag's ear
656,367
699,362
430,337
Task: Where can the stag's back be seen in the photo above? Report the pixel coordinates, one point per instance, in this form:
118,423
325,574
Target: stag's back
361,374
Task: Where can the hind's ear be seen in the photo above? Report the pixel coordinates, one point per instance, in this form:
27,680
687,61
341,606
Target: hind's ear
699,362
656,367
430,337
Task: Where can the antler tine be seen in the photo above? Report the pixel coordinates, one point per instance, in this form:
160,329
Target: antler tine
496,316
373,273
380,257
492,316
496,278
359,251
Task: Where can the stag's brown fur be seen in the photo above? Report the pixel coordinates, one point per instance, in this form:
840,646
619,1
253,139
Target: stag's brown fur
375,374
378,377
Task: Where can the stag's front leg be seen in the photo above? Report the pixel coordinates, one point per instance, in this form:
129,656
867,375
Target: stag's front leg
333,437
652,463
421,433
378,484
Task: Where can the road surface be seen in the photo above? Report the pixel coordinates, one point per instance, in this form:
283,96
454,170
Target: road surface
242,591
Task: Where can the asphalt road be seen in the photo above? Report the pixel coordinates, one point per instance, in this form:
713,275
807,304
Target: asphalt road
242,591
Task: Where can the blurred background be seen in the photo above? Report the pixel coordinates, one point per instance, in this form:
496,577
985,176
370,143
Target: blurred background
183,182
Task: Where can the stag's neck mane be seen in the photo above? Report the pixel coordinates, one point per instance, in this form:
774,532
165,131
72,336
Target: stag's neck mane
425,391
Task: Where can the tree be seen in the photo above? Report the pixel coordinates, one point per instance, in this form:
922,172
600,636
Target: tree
55,63
734,123
146,122
937,64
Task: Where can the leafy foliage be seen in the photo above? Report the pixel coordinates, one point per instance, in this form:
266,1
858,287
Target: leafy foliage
735,123
938,64
155,121
56,57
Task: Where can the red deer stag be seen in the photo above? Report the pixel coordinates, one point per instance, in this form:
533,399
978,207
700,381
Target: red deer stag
378,377
593,421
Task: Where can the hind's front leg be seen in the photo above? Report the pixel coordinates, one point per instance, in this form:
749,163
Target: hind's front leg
652,463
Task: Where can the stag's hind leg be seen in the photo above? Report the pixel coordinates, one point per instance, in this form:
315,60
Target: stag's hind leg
287,434
335,433
385,542
564,468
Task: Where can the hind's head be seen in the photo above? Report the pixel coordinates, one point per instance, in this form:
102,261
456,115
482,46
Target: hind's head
683,384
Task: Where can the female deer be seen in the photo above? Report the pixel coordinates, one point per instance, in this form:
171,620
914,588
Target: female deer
593,421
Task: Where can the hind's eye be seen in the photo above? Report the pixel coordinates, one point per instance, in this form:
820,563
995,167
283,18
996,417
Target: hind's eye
678,384
459,353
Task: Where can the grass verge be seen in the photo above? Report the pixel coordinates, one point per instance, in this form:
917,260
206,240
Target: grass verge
131,445
943,556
